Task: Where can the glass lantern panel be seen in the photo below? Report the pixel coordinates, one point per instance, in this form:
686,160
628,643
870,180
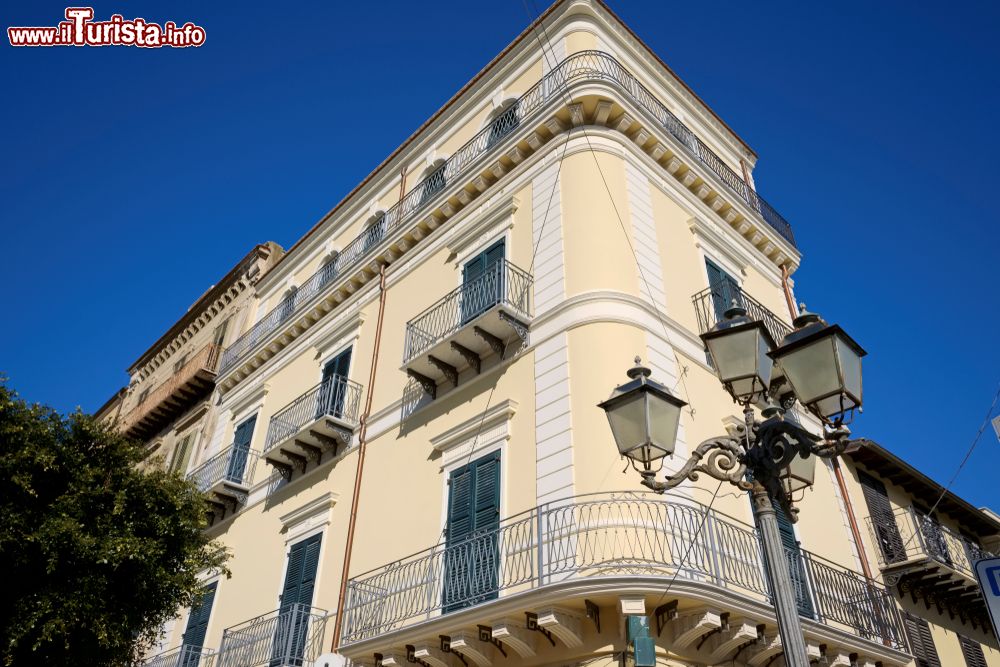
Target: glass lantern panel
850,364
812,370
628,423
734,354
664,418
801,473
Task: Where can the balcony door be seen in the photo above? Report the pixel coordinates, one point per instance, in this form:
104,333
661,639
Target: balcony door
333,389
471,557
292,627
793,553
934,538
724,288
194,634
882,518
236,467
482,282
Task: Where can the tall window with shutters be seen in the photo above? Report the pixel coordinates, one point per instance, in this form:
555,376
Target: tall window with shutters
182,454
197,624
972,651
482,282
921,643
333,387
793,553
725,289
472,558
296,602
236,468
883,520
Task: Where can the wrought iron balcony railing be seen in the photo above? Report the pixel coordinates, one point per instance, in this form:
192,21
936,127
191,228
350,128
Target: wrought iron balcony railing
603,535
231,469
193,380
579,67
711,303
337,397
292,636
912,535
502,284
183,656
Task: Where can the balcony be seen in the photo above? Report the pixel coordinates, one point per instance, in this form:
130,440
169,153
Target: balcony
711,303
929,561
600,547
476,166
291,637
320,420
485,317
226,477
183,656
170,399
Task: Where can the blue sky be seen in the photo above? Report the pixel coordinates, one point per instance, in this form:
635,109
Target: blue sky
133,179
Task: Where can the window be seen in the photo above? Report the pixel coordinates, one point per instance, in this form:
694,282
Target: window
194,634
181,455
793,553
287,306
972,652
237,465
882,518
296,602
374,232
333,390
472,557
504,122
482,282
434,183
219,337
725,290
179,364
921,643
144,395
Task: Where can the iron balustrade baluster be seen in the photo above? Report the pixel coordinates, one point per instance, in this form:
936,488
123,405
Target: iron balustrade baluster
917,536
708,310
502,284
336,397
293,637
182,656
232,465
579,67
605,535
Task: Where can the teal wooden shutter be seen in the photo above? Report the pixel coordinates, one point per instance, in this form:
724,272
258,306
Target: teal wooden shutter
333,389
921,643
197,624
296,602
883,520
724,288
482,282
241,451
796,569
472,559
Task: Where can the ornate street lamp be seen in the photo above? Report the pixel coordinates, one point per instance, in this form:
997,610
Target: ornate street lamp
644,417
822,366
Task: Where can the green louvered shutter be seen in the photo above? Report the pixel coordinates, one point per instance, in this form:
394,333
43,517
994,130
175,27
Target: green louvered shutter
471,558
972,651
724,288
197,624
921,643
796,568
482,282
240,452
296,601
883,519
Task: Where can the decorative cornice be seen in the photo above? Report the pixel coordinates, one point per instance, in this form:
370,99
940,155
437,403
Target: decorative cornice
491,214
470,428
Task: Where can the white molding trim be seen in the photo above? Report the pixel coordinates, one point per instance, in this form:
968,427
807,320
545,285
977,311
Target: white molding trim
493,214
337,335
249,403
475,435
307,518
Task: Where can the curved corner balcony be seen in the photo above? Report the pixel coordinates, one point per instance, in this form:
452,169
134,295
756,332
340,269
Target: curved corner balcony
226,477
561,573
487,316
473,170
321,420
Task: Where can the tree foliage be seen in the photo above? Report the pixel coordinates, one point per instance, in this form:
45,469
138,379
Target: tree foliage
96,554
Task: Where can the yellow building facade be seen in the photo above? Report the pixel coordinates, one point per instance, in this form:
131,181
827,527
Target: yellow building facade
416,393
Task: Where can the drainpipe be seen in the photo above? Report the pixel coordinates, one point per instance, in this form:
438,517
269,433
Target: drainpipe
837,472
362,444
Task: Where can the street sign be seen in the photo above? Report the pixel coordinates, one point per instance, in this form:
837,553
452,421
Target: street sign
988,574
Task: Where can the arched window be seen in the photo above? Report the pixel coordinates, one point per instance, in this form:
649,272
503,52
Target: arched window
434,181
505,120
374,230
328,271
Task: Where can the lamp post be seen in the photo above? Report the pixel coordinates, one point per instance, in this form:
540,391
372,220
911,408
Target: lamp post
816,364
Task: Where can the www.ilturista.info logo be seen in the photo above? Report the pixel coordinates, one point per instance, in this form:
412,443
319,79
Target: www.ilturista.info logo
79,29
